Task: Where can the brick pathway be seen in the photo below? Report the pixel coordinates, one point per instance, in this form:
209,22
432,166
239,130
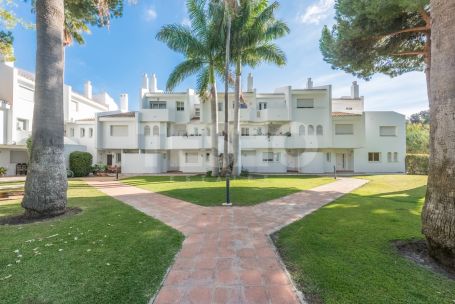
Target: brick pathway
227,256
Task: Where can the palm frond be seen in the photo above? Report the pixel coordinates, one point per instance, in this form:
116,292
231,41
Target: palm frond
183,70
202,81
180,39
267,52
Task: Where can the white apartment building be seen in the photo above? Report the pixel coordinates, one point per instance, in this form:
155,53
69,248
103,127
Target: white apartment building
301,130
16,111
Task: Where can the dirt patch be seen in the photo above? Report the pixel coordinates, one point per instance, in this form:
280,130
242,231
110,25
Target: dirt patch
417,251
21,219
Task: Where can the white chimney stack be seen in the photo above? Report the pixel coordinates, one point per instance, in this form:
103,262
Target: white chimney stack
309,84
88,90
123,102
250,86
153,84
355,94
145,82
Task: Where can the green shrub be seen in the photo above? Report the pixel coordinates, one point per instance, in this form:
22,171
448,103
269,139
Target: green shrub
81,163
3,171
97,168
417,164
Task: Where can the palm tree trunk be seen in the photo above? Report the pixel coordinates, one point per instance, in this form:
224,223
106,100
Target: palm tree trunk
236,137
226,97
46,184
438,217
214,133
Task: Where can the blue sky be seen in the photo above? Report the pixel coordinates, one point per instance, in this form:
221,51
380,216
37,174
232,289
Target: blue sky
115,59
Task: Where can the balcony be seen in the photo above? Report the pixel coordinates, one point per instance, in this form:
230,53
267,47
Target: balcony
273,114
188,142
158,115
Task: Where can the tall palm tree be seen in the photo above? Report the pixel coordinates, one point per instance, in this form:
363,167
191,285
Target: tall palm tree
200,44
56,22
438,217
254,29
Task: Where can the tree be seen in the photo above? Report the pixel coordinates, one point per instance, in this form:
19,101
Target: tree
423,117
438,217
200,44
254,27
417,138
398,36
46,183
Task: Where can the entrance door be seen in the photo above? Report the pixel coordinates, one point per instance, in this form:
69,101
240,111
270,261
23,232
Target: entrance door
341,162
109,159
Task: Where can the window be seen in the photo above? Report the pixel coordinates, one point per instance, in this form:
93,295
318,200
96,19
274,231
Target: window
22,124
319,130
180,106
71,132
131,151
262,105
395,157
310,130
389,157
344,129
388,131
118,157
90,132
156,104
197,112
270,157
328,157
302,130
82,132
156,131
220,106
259,132
245,132
305,103
374,157
119,131
191,158
146,131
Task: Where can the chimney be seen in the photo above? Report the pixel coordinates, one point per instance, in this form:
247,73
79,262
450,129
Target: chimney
145,82
153,84
309,84
355,90
88,90
123,102
250,86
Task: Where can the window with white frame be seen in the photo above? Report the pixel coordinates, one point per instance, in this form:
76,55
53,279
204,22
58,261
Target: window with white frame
118,157
389,157
156,130
90,132
310,130
71,132
344,129
191,157
328,157
270,157
220,106
156,104
262,105
245,131
197,111
374,157
82,132
119,130
259,131
388,131
319,130
146,131
395,157
305,103
180,106
22,124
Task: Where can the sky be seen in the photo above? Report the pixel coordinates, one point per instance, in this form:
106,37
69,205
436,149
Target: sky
114,59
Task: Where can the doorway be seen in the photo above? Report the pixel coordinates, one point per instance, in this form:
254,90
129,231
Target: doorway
341,162
109,159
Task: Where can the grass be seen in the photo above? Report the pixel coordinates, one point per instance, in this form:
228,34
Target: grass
109,253
343,253
211,191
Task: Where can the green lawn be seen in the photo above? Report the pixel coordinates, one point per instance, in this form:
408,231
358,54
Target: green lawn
109,253
342,253
206,191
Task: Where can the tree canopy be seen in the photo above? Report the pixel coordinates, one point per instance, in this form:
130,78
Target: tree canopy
378,36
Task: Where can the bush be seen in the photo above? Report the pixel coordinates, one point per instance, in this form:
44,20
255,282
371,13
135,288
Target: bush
417,164
3,171
208,174
99,168
81,163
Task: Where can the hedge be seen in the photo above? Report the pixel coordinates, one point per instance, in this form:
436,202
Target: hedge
417,164
81,163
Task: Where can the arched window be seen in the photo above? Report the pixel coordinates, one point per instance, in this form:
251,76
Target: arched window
319,130
310,130
146,130
302,130
156,131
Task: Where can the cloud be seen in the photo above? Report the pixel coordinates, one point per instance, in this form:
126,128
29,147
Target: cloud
150,14
317,12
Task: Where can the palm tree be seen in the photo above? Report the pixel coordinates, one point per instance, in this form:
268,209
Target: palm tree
438,217
200,44
253,30
56,22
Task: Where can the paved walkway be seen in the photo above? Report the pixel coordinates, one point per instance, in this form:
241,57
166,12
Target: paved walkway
227,256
